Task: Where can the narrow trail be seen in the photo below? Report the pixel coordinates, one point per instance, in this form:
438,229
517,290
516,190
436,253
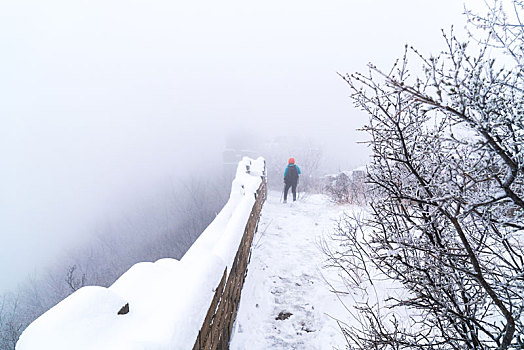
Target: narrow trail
286,304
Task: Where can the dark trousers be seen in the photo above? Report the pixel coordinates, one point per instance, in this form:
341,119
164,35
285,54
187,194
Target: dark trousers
293,189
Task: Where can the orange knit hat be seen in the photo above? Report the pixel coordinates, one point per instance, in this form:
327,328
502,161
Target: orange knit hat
291,161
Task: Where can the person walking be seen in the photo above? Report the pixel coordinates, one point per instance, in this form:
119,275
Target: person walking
291,179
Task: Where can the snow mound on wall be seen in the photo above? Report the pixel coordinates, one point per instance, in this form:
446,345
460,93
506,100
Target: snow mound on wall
168,299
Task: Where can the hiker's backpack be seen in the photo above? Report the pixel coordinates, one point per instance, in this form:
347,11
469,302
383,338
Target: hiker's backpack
291,174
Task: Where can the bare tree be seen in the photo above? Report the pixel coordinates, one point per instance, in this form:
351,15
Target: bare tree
73,281
448,217
10,328
503,29
347,187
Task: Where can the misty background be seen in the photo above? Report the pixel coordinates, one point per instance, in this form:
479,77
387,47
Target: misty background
105,103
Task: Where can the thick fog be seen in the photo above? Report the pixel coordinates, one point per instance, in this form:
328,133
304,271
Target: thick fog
102,102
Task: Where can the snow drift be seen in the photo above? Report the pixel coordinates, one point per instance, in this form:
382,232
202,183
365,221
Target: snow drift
167,300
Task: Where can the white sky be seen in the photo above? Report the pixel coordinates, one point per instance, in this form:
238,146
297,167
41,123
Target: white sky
103,99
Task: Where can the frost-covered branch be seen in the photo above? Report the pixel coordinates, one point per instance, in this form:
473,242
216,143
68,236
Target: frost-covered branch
448,216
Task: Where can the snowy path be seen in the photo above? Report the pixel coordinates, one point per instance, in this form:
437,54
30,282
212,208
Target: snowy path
285,302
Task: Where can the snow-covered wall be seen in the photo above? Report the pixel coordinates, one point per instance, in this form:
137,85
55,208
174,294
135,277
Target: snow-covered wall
162,305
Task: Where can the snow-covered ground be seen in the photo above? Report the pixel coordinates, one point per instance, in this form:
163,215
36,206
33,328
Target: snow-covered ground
286,302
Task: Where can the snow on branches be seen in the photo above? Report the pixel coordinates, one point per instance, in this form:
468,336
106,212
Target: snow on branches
448,216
